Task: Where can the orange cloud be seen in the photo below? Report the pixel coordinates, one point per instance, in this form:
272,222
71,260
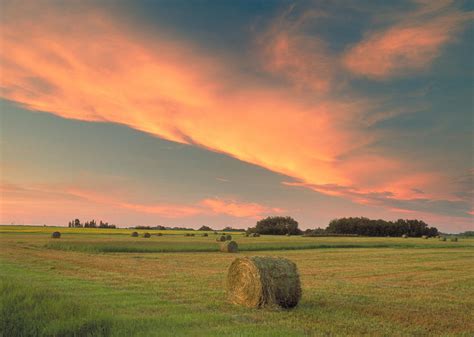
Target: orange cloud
88,66
410,45
288,52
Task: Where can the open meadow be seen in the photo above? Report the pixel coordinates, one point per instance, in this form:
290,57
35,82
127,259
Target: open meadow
101,282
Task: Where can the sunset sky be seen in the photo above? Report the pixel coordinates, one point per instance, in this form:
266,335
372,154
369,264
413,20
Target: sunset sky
191,113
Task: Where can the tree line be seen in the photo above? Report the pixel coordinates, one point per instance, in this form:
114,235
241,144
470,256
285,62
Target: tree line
367,227
76,223
278,225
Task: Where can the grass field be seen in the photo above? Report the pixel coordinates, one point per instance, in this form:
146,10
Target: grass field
100,282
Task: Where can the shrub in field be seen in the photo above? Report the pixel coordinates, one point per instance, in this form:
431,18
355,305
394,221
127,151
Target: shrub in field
454,239
442,238
147,235
205,234
221,238
135,234
263,281
56,235
228,247
228,237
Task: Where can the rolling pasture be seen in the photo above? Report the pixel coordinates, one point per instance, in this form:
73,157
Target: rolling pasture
103,282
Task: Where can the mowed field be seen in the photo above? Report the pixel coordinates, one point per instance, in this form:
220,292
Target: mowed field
100,282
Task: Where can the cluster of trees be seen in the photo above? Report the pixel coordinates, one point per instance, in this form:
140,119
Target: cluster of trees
276,225
368,227
76,223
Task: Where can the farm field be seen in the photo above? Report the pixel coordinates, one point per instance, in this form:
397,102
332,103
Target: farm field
106,283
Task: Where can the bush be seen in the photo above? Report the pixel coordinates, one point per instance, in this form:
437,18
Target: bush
276,225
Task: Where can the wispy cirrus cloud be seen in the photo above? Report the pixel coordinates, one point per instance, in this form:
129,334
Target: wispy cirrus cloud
411,44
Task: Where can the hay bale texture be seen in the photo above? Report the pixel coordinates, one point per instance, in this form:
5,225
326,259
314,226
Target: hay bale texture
147,235
262,281
229,247
56,235
135,234
221,238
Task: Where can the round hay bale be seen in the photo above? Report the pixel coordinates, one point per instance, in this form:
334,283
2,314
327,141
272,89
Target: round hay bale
205,234
228,237
56,235
246,235
221,238
442,238
424,237
261,281
160,234
404,236
229,247
454,239
135,234
147,235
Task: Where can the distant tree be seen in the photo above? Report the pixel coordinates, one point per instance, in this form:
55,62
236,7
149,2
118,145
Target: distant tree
276,225
77,223
205,228
367,227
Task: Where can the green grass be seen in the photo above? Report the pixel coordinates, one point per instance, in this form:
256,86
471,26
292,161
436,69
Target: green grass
384,287
28,309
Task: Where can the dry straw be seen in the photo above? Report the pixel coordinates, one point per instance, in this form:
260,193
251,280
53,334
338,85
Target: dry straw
262,281
229,247
56,235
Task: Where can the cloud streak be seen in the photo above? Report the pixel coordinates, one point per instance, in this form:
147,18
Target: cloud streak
411,44
86,65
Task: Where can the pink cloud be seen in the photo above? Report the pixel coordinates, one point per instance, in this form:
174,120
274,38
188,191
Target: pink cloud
412,44
29,203
238,209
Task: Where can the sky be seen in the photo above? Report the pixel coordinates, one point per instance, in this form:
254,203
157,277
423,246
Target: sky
220,113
